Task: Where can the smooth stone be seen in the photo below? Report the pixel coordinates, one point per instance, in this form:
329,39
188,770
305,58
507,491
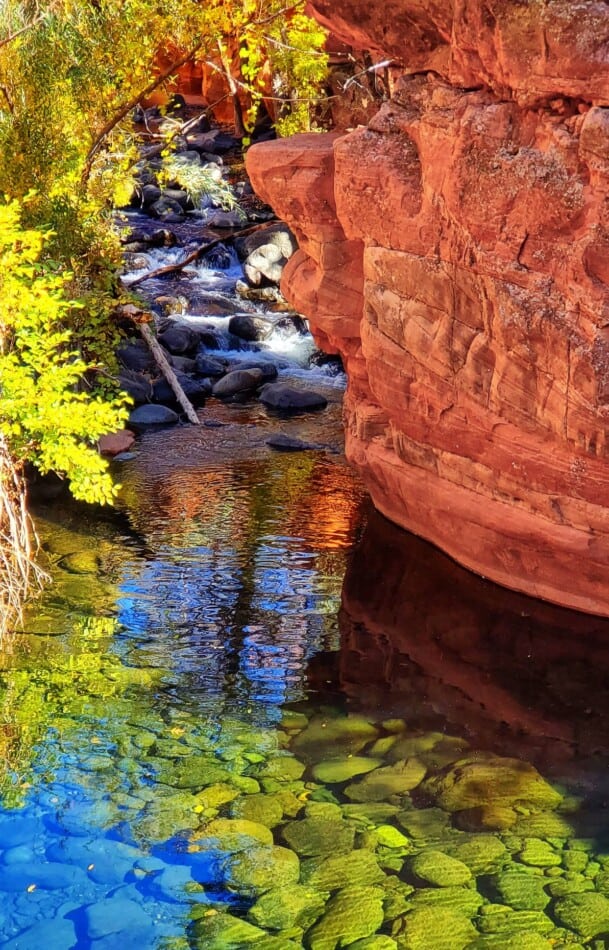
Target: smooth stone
481,853
179,339
288,398
258,870
56,934
539,853
287,443
327,736
439,869
330,873
465,900
239,381
224,932
311,837
397,779
20,854
194,389
352,913
477,782
507,921
232,835
335,771
284,907
522,891
376,942
390,837
436,927
268,370
113,915
258,808
587,914
175,883
249,327
47,876
150,415
207,366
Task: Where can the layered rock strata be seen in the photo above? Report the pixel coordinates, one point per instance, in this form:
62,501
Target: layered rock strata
456,253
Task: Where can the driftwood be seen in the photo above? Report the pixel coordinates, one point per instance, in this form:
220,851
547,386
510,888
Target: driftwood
193,256
143,319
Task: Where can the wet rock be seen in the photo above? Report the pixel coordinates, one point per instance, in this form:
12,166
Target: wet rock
282,908
183,364
264,265
218,257
587,914
353,913
521,891
135,356
289,399
563,887
80,562
113,915
116,443
476,782
376,942
228,220
277,234
233,835
149,194
464,900
268,370
545,824
215,141
239,381
391,780
481,853
145,416
261,808
248,327
256,871
179,339
508,922
335,771
287,443
194,772
58,932
437,927
390,837
439,869
207,366
179,195
225,932
330,873
166,208
494,817
520,941
219,794
136,385
311,837
266,294
539,853
370,813
194,389
326,736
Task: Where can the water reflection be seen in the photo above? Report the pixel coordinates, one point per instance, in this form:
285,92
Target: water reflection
439,643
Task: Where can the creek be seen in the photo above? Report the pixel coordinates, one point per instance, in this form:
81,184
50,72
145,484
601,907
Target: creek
250,712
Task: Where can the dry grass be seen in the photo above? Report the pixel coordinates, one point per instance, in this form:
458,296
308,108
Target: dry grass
19,573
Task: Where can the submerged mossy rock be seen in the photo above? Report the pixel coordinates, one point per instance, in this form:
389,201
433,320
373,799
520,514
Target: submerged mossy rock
521,891
435,867
383,783
524,940
439,928
330,873
339,770
544,824
506,921
479,781
264,809
192,772
481,853
493,817
376,942
587,914
327,736
310,837
539,854
425,826
224,932
256,871
351,914
216,795
464,900
388,836
282,768
370,813
231,835
284,907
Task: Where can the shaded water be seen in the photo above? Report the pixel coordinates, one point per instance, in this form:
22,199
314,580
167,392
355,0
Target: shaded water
200,749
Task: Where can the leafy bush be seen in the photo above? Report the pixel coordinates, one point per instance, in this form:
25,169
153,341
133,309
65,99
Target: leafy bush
46,414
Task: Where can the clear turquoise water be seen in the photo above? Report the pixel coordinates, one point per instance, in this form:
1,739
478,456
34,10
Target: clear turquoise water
186,646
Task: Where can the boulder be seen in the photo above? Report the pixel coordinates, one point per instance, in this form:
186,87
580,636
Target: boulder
239,381
249,327
290,399
145,416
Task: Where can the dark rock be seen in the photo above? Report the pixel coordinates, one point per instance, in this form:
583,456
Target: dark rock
269,370
190,156
219,257
215,141
183,364
267,294
239,381
166,208
200,124
292,323
194,389
275,233
152,151
151,415
179,195
136,356
177,104
206,366
286,397
226,220
149,194
248,327
137,385
286,443
179,339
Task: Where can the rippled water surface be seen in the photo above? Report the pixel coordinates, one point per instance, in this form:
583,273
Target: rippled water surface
249,712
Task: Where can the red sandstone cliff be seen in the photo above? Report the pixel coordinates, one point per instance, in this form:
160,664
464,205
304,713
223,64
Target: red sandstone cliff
456,253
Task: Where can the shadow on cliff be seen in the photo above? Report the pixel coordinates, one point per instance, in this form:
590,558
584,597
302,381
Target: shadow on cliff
423,638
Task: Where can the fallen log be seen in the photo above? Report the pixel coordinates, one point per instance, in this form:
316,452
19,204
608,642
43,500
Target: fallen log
143,319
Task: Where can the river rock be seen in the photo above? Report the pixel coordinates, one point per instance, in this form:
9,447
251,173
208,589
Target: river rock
178,194
114,915
268,369
208,366
257,870
263,265
325,736
149,194
136,385
239,381
439,869
287,443
311,837
260,808
116,443
136,356
249,327
166,208
194,389
183,364
476,782
506,921
464,900
587,914
522,891
216,142
539,853
225,932
284,907
178,339
381,784
376,942
228,220
236,834
481,853
353,913
288,398
334,771
330,873
437,927
145,416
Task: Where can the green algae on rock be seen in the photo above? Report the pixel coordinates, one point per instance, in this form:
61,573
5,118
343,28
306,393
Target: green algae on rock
538,853
352,913
587,914
258,870
339,770
437,927
435,867
383,783
481,853
284,907
265,809
522,890
330,873
477,781
231,835
327,736
310,837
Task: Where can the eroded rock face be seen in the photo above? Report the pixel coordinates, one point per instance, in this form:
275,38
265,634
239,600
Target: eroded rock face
456,253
